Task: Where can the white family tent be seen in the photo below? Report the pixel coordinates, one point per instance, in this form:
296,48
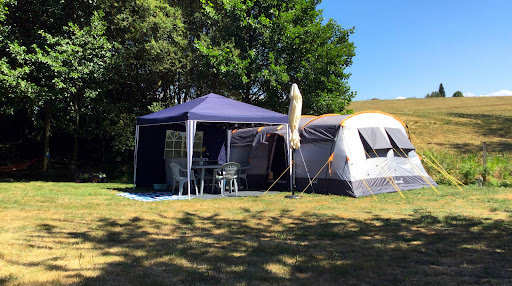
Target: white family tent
363,154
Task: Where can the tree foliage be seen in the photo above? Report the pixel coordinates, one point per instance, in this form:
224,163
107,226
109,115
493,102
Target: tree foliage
93,66
437,93
458,94
441,90
254,50
150,50
54,69
434,93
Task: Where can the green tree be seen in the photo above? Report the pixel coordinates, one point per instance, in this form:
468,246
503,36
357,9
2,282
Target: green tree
151,52
441,91
50,72
434,93
254,50
458,94
82,58
151,63
63,61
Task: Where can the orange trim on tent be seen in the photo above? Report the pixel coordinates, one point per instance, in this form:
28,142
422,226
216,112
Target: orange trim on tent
323,115
235,130
331,158
259,129
279,127
372,111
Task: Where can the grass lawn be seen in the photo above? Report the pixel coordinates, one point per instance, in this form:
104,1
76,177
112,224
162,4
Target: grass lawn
66,233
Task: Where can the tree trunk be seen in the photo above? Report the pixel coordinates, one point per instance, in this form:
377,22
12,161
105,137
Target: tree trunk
247,96
77,128
47,122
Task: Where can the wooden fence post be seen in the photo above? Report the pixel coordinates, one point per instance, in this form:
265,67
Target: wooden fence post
484,149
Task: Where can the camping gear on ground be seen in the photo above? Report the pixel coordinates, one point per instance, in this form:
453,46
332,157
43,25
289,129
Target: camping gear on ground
362,154
20,166
181,132
91,177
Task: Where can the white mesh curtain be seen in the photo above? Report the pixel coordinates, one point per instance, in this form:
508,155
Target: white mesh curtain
191,132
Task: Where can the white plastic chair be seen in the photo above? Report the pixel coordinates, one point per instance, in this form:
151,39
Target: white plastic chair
229,173
177,177
243,174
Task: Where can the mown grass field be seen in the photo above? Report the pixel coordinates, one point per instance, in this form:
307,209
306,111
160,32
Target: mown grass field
452,124
67,233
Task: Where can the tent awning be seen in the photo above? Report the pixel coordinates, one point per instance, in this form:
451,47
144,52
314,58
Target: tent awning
213,108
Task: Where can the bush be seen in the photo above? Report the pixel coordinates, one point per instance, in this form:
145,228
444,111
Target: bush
467,167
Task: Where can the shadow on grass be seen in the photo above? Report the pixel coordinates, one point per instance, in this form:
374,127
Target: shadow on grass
494,126
298,249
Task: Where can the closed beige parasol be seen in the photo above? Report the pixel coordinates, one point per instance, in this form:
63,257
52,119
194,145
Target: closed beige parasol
294,113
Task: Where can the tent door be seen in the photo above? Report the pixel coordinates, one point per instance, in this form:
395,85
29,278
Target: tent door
278,160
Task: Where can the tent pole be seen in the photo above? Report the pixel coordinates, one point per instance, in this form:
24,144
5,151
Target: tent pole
294,165
228,149
290,159
190,128
135,156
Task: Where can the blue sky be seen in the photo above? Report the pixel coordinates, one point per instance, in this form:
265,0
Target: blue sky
407,48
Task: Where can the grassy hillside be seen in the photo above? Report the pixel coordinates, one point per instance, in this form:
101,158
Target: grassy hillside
452,124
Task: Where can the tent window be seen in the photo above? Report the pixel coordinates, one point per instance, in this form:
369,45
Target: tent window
375,138
176,144
399,138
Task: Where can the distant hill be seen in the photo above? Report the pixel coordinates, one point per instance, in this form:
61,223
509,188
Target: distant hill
453,124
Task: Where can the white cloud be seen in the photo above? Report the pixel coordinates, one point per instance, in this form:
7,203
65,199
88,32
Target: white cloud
502,92
469,94
400,97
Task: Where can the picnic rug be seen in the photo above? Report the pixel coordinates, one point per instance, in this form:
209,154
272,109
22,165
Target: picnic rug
152,197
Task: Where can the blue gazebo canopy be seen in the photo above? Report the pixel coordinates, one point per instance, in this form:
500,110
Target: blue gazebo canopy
211,108
214,108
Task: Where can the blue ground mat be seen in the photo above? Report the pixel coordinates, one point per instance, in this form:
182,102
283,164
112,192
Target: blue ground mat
152,197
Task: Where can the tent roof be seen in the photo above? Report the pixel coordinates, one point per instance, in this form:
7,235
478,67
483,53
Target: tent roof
213,108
